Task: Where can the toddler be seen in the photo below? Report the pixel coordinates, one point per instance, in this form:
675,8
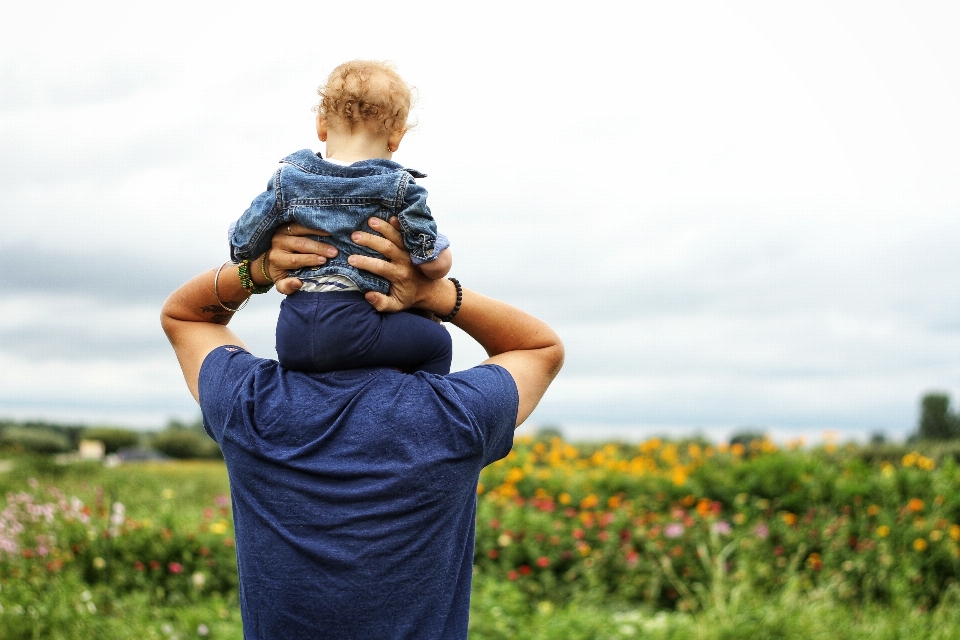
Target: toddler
328,324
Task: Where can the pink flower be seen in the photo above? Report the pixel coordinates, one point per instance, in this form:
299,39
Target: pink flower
673,530
722,527
175,567
761,531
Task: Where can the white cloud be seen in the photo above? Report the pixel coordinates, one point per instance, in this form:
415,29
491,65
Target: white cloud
750,204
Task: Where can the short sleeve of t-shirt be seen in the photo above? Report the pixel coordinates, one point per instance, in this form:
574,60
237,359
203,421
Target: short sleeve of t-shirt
489,394
224,372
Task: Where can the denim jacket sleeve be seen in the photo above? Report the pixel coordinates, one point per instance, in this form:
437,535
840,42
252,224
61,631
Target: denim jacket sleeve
418,227
250,235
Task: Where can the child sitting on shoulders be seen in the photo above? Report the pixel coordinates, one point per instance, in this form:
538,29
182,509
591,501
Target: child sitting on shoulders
328,324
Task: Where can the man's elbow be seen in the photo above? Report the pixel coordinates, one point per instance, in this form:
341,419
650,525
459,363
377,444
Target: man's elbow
557,354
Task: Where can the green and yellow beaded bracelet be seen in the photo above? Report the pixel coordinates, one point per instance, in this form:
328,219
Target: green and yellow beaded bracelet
247,282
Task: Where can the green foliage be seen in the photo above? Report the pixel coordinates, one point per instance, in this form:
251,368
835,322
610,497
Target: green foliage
34,440
936,420
664,541
186,444
747,436
113,438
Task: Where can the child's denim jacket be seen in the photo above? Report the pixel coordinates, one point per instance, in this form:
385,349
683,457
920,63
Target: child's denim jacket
339,200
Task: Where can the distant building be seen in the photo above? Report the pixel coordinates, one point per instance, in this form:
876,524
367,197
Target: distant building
92,450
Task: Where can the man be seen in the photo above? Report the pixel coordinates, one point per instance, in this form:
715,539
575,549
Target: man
354,492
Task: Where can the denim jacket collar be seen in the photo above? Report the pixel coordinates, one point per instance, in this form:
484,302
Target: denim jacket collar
312,162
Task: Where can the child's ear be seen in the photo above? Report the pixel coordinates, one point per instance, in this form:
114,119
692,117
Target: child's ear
321,128
393,142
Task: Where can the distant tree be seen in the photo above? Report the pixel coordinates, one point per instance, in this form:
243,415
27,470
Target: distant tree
34,439
548,432
746,436
936,421
113,438
878,437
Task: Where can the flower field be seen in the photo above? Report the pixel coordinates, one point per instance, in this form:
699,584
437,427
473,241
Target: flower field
660,539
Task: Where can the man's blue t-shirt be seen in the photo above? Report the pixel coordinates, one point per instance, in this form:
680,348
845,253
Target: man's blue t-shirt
354,492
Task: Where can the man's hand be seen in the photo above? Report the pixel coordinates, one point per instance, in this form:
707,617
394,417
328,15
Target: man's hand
294,247
409,287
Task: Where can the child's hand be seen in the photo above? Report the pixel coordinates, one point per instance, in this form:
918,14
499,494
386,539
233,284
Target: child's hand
439,268
293,247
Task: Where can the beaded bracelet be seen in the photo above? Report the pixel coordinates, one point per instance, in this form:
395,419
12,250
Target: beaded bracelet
456,308
246,281
263,267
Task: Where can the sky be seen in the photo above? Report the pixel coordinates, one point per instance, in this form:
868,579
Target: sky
738,215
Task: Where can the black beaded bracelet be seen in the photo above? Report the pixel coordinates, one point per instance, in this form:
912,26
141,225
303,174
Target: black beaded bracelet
456,308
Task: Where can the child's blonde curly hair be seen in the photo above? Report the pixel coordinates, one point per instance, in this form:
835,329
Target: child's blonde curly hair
366,92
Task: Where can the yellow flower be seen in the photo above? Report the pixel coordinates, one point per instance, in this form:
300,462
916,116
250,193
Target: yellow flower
919,544
564,498
99,563
955,531
936,535
479,488
883,531
910,459
590,501
218,528
679,476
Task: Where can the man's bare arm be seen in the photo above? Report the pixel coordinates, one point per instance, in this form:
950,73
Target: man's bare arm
520,343
194,318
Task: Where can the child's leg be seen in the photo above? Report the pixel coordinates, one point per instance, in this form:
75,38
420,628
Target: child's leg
330,331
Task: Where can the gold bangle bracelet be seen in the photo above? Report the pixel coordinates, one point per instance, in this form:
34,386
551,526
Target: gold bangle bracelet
216,291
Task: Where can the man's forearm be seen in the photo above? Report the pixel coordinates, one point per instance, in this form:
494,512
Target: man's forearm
210,297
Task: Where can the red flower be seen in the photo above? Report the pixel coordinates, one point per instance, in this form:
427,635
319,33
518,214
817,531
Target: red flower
493,554
154,565
578,534
175,567
138,566
512,575
543,562
494,523
525,569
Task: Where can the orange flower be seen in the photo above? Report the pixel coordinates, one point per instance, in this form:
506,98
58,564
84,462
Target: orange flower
873,510
789,518
919,544
915,505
